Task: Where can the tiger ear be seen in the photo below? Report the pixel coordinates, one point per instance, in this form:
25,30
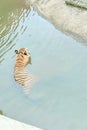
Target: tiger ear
16,51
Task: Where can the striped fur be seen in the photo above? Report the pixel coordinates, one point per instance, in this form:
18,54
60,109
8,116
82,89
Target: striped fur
20,74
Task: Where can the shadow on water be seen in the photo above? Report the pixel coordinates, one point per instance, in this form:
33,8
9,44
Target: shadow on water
1,112
12,12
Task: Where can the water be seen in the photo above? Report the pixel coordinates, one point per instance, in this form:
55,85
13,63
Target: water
59,99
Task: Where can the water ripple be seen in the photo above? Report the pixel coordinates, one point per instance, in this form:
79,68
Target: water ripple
9,27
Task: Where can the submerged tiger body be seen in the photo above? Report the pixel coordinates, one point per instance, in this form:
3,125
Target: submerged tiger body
20,74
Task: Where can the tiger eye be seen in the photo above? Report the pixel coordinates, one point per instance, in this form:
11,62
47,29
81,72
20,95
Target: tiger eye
25,53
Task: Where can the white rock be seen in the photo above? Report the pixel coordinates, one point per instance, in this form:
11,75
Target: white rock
10,124
70,20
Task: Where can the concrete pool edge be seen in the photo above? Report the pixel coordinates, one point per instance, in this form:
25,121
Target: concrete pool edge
11,124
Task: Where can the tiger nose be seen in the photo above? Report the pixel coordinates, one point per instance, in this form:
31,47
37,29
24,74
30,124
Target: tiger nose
30,60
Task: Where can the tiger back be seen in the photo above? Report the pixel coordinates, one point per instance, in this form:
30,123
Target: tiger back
21,76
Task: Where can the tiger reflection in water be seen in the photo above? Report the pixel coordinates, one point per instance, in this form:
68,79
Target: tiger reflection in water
20,74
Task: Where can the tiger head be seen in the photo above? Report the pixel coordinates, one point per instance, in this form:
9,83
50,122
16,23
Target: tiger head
24,55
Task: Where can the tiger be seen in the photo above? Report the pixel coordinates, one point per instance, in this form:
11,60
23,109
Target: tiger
21,76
